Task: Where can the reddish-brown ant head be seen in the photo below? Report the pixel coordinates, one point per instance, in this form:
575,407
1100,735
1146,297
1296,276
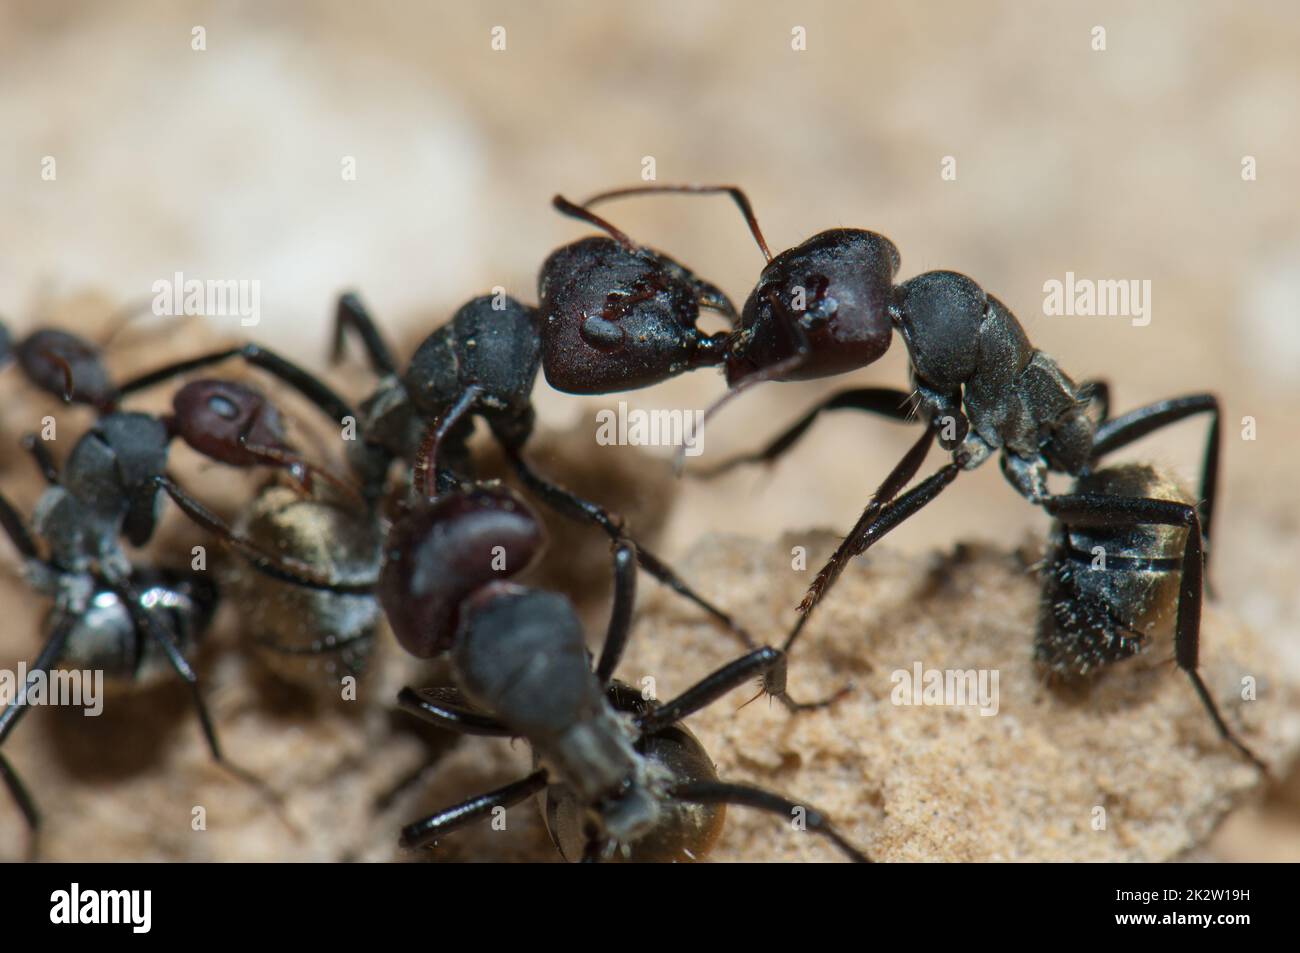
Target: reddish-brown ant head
618,317
829,295
66,366
443,550
230,423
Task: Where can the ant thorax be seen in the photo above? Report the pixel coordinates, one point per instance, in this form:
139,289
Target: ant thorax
79,537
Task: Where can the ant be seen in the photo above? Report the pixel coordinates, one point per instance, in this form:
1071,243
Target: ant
620,773
980,388
482,363
121,617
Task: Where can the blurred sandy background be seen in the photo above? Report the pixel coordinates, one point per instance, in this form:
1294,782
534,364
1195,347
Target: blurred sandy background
1126,163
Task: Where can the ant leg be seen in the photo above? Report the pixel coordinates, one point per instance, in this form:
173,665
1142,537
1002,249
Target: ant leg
41,454
745,795
44,663
426,476
1097,392
427,830
17,531
620,614
446,708
766,663
885,401
1103,510
282,568
22,797
1136,424
145,622
306,384
351,313
874,523
574,507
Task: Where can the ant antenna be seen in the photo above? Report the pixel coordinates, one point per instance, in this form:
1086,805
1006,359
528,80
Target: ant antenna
737,195
566,207
119,319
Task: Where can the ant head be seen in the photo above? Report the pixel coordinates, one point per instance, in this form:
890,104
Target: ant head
490,343
230,423
618,316
440,551
828,297
66,366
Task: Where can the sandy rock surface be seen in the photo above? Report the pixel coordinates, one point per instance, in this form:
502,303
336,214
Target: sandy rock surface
907,783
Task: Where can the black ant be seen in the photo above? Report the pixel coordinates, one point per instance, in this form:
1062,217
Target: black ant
830,305
482,363
123,617
620,773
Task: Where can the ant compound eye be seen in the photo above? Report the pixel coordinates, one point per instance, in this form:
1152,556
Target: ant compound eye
223,407
601,333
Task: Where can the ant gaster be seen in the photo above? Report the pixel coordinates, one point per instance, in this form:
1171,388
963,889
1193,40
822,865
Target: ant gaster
1111,586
